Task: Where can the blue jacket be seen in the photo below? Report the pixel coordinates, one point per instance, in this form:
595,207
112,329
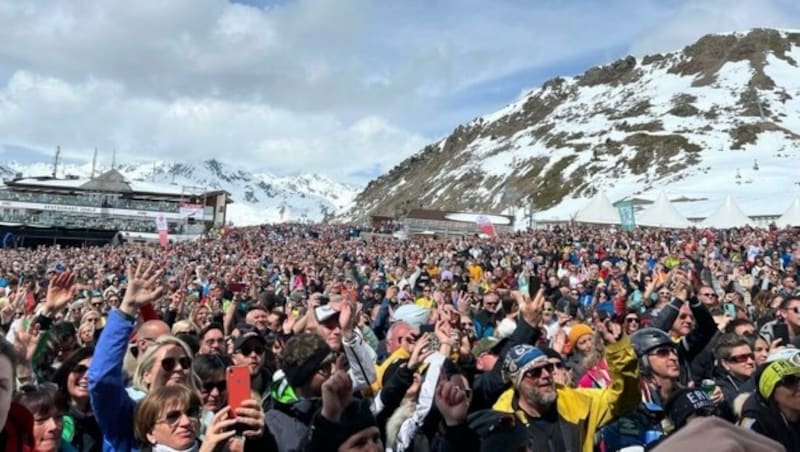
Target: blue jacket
112,406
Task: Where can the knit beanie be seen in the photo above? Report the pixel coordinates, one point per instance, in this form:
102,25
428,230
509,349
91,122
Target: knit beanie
356,417
577,331
519,360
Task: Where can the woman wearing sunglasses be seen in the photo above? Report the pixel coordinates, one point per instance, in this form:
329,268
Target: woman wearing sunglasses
632,322
80,426
168,419
167,362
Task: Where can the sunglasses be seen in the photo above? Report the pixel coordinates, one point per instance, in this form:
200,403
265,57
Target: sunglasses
796,310
709,294
663,293
536,372
221,386
80,369
741,359
246,349
172,417
631,320
664,352
790,381
168,364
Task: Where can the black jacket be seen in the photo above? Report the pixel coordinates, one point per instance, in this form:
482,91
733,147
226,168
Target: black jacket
693,344
764,417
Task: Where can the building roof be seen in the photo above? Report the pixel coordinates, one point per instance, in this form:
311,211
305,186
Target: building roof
458,217
111,181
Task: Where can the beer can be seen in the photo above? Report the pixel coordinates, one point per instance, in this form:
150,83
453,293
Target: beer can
708,386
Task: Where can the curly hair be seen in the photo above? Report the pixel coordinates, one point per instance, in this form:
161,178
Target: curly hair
299,348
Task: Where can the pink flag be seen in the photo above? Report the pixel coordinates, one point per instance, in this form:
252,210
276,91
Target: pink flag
161,225
485,225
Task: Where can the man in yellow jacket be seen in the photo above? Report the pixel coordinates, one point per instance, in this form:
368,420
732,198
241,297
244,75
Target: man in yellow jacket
566,419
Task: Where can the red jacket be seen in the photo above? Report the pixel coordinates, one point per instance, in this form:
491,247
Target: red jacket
17,434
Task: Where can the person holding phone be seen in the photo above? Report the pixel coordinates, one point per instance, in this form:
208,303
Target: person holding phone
787,326
168,419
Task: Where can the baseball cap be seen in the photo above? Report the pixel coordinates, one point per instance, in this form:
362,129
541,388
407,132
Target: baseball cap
325,312
776,371
489,344
688,402
243,338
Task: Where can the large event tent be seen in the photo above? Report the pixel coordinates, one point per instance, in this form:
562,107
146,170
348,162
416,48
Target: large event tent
791,217
728,215
598,211
662,214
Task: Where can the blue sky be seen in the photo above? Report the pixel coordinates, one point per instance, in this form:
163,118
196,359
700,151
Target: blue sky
347,88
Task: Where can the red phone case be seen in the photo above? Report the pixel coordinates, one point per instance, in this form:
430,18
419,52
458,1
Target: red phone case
238,387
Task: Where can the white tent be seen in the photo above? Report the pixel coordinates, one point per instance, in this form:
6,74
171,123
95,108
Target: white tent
729,215
598,211
662,214
791,217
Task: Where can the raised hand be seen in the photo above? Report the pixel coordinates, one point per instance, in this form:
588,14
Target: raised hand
251,415
337,393
609,331
452,400
219,431
59,292
560,340
142,287
443,332
531,309
420,352
26,339
348,316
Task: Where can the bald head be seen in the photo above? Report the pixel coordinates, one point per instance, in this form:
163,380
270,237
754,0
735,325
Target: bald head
148,332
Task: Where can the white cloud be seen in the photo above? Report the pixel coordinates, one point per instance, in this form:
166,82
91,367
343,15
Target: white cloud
337,86
35,110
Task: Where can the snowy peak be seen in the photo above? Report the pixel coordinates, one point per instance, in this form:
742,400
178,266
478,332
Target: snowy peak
693,121
258,197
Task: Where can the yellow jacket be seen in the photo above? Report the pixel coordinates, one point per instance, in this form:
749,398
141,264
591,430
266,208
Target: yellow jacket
397,355
586,410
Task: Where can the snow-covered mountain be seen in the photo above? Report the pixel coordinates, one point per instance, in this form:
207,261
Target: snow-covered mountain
721,116
258,197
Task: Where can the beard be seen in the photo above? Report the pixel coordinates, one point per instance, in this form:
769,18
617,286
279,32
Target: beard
536,396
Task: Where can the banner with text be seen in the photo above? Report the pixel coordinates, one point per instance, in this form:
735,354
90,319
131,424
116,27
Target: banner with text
626,215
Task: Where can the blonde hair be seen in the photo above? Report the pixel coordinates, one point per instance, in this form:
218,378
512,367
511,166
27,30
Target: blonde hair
183,326
193,315
149,359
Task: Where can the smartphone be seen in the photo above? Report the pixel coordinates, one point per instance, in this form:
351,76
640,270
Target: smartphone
238,381
730,310
236,287
781,331
534,284
426,329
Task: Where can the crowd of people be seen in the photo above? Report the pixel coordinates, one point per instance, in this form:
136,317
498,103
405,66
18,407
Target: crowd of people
573,338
